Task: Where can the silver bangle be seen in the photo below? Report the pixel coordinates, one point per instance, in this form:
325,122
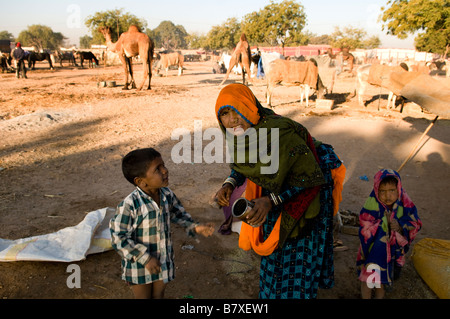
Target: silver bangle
231,181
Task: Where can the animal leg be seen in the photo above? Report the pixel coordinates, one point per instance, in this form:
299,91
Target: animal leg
130,68
302,93
124,61
180,70
392,97
306,91
269,92
147,69
230,67
149,66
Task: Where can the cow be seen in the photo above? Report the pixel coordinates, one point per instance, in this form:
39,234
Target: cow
266,59
377,75
38,56
89,56
294,73
168,59
5,62
241,55
67,55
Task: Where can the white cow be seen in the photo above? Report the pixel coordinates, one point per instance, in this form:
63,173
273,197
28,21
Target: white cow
225,60
267,58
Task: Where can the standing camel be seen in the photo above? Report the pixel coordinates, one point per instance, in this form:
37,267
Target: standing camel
130,44
241,55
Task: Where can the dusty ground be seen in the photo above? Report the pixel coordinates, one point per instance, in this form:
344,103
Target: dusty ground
62,139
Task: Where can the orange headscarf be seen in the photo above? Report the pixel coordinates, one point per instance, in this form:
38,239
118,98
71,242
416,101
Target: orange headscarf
240,98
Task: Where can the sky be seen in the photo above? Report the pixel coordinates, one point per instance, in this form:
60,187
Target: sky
68,16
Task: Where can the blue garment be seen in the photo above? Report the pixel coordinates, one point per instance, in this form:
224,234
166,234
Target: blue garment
260,72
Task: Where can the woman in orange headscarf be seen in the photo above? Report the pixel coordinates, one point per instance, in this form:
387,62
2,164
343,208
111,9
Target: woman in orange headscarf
293,204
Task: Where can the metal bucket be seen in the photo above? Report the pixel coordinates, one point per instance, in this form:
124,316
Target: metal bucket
111,84
101,84
240,209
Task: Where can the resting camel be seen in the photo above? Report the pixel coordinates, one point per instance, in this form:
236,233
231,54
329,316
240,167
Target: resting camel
241,55
130,44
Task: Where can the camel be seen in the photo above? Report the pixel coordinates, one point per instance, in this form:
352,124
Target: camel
130,44
241,55
340,57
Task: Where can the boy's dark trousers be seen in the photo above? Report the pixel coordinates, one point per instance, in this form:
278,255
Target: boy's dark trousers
21,68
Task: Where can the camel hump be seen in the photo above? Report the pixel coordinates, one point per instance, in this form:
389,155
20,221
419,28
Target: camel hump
133,28
243,37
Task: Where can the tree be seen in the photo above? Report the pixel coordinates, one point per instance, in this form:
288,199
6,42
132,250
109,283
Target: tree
223,36
277,23
371,43
321,39
118,21
169,35
348,37
196,40
85,42
41,37
431,18
5,35
353,38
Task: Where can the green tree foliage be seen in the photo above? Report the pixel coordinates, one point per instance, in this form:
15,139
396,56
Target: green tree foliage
169,36
196,40
320,39
431,18
117,20
224,36
42,37
277,23
353,38
85,42
5,35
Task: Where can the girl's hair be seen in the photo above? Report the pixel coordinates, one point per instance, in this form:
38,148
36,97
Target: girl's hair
389,180
136,163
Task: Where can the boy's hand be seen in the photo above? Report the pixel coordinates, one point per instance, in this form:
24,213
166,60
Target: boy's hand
153,265
205,229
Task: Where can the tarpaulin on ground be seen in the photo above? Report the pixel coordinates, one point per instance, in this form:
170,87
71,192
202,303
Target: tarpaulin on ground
70,244
431,258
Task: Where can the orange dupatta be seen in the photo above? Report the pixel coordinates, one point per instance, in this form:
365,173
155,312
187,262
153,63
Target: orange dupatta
251,237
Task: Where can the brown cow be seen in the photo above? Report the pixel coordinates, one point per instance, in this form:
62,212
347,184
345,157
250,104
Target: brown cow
169,59
294,73
241,55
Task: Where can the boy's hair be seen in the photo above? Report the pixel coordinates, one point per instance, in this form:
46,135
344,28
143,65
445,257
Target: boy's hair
389,180
136,163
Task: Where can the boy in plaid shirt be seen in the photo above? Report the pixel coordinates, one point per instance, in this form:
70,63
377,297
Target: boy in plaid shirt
140,229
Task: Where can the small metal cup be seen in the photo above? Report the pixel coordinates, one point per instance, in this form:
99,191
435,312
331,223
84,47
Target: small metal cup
240,209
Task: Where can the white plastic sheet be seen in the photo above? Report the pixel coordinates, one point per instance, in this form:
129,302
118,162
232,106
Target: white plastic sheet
70,244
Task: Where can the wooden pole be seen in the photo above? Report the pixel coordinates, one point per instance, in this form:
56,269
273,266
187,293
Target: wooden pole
417,144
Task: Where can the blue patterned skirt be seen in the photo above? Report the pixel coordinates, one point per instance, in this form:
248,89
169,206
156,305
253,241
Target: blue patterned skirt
303,264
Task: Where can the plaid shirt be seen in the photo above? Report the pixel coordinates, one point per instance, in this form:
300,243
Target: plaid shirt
141,230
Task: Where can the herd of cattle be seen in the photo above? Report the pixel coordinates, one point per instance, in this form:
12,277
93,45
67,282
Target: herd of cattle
273,67
57,56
